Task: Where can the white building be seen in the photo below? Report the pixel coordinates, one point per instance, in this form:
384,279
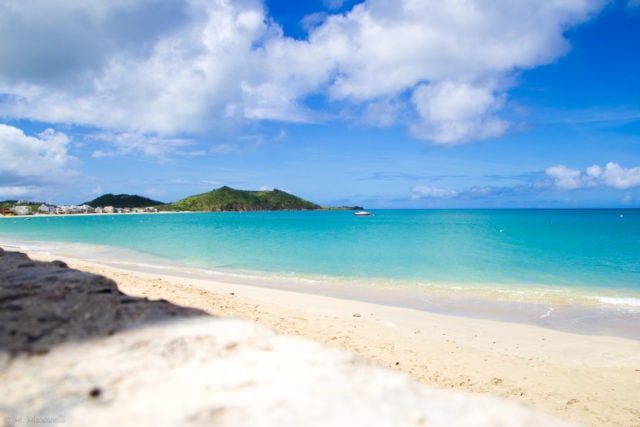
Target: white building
85,209
61,210
46,209
22,210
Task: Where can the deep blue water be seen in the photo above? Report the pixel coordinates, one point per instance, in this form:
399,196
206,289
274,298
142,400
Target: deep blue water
558,248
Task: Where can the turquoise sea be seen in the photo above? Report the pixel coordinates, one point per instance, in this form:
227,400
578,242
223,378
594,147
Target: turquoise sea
540,262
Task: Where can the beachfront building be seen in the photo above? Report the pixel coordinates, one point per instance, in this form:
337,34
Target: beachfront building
145,210
67,210
46,209
63,210
85,209
22,210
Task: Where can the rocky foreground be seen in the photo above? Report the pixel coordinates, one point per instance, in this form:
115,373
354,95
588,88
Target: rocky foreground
75,351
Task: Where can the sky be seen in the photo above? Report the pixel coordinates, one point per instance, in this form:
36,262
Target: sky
378,103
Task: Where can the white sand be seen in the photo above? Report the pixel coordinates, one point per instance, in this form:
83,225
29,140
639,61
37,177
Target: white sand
589,379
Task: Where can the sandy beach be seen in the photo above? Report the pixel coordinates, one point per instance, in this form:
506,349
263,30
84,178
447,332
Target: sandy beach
594,380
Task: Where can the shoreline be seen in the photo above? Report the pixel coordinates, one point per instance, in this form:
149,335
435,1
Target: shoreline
584,310
585,378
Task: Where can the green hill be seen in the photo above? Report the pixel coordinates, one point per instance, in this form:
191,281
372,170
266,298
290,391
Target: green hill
8,203
229,199
123,201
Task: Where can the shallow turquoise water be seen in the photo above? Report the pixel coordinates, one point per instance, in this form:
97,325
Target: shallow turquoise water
573,270
559,248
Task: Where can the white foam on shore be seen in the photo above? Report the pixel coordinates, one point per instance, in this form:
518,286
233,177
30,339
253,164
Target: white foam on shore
548,312
625,301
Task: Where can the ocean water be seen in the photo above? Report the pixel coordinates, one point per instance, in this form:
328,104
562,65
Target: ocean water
526,257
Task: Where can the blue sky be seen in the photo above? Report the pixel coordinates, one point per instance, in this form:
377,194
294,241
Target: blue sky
381,103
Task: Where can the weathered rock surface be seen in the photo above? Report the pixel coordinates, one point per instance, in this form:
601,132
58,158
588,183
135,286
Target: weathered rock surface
201,371
45,304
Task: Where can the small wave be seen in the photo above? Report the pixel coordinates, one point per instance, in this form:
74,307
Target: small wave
626,301
548,312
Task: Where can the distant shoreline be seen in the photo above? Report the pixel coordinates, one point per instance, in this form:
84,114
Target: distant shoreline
326,209
329,209
38,215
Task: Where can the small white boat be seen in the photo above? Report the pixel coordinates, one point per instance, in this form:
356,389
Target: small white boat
362,213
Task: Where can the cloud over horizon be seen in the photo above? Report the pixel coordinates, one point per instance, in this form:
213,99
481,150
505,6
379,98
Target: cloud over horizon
31,163
560,177
612,175
157,68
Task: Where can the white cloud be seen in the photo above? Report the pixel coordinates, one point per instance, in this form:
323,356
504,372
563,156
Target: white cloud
157,67
612,175
174,78
434,49
382,112
424,191
455,57
565,178
32,162
455,113
618,177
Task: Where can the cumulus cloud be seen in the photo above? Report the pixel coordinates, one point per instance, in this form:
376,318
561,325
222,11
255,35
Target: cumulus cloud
170,67
55,43
31,162
454,57
455,113
612,175
616,176
565,178
185,70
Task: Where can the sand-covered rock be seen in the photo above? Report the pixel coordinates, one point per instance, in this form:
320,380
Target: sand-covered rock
196,371
223,372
